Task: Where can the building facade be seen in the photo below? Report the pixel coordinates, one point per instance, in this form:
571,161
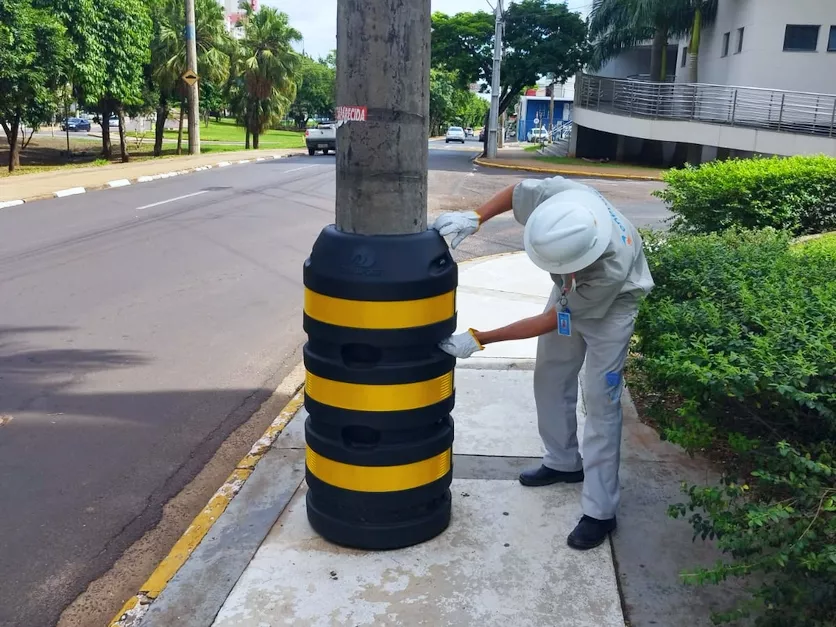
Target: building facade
766,85
535,106
234,14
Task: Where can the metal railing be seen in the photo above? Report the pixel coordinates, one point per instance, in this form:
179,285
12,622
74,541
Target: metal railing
749,107
561,130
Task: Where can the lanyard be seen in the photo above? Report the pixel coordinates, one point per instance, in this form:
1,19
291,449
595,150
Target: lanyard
568,287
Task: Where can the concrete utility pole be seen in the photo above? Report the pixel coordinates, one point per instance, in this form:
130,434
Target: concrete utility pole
493,122
383,69
191,62
379,297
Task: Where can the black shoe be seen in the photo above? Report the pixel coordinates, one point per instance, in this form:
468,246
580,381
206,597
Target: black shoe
547,476
590,532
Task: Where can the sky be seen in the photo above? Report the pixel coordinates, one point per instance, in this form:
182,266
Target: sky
317,19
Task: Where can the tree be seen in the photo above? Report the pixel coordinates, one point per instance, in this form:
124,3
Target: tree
212,100
702,12
125,28
264,70
617,25
34,50
469,109
450,103
442,88
540,38
84,72
168,56
315,91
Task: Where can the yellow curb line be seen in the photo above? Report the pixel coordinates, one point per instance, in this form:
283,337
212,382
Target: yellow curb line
562,172
137,605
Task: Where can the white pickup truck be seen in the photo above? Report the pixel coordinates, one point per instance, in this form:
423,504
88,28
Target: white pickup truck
323,137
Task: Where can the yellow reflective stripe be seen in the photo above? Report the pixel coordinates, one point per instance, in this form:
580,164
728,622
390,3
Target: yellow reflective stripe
366,397
363,314
378,478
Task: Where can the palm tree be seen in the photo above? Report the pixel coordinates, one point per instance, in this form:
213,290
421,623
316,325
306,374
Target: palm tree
168,55
617,25
702,12
262,83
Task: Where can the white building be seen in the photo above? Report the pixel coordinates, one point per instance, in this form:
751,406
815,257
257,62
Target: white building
233,14
767,85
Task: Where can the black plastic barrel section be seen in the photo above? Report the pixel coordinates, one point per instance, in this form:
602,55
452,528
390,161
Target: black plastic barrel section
378,390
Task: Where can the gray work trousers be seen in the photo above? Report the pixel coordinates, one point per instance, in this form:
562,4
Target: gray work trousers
603,343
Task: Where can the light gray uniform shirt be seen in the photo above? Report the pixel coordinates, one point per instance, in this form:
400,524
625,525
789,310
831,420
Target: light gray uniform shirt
618,280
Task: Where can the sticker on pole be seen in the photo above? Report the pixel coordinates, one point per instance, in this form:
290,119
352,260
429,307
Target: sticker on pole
350,114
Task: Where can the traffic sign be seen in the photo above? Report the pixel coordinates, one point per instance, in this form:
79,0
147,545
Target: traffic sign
536,121
189,77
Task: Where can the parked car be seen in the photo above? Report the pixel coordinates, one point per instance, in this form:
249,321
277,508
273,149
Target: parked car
323,137
482,135
468,132
455,134
537,135
75,124
114,121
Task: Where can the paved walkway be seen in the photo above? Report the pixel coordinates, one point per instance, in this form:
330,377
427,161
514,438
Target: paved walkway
29,187
515,157
504,559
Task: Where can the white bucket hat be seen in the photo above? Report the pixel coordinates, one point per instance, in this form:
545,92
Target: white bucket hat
568,232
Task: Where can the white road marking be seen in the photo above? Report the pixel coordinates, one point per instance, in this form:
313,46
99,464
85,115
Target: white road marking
162,202
304,167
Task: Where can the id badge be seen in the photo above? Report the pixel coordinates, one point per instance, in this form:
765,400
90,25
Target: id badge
564,323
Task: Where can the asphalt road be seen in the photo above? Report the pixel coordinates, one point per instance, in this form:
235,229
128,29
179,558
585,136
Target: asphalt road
140,326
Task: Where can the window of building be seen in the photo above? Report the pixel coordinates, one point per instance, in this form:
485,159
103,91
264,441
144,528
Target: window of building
801,38
739,48
725,45
831,40
684,56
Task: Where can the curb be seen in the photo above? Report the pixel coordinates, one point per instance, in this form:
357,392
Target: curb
136,607
562,172
72,191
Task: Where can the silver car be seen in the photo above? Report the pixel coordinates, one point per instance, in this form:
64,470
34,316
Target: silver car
455,134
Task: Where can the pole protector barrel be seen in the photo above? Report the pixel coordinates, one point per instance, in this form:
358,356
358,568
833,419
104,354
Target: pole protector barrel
378,390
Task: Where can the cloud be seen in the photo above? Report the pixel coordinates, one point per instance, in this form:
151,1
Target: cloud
318,20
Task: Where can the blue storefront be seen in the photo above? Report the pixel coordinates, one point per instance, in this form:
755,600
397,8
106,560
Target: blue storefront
537,108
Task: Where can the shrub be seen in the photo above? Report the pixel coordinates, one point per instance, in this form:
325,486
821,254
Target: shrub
740,336
795,193
744,328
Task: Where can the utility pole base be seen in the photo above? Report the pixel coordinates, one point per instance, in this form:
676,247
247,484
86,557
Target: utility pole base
378,390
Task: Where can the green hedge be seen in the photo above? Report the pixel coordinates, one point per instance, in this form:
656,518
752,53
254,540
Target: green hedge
738,345
796,193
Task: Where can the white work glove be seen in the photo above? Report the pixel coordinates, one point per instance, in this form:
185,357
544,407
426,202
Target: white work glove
460,224
462,345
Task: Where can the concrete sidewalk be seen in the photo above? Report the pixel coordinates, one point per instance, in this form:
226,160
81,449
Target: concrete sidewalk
504,559
29,187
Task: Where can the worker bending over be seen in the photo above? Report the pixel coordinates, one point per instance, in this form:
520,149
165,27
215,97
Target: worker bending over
595,258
